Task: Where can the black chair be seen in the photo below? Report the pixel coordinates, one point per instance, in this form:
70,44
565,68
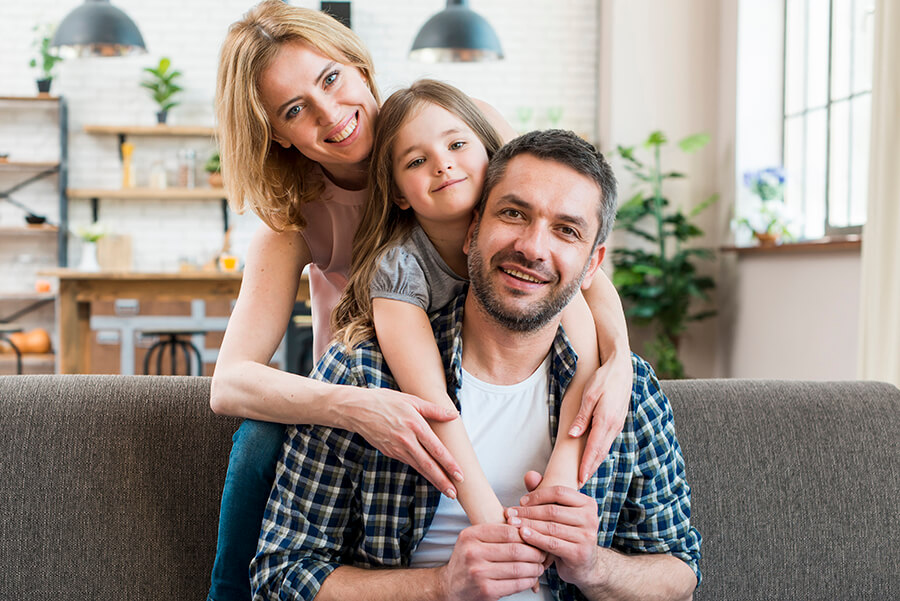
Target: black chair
5,331
169,340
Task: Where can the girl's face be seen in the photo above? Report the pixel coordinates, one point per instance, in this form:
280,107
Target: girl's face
438,165
321,107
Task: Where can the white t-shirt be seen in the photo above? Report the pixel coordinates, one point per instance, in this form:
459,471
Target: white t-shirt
510,431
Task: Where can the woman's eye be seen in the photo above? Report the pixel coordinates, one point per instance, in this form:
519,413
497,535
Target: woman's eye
457,145
331,78
415,163
294,111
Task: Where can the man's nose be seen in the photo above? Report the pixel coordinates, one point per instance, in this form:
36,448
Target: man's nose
533,242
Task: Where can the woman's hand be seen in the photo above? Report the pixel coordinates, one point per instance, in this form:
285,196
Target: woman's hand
604,406
395,423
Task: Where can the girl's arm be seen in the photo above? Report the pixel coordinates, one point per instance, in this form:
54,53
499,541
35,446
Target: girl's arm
598,397
244,385
416,365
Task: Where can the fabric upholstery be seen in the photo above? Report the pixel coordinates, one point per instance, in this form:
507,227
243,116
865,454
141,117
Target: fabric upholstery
110,487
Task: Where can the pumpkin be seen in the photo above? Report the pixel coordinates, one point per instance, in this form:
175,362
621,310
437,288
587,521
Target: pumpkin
35,341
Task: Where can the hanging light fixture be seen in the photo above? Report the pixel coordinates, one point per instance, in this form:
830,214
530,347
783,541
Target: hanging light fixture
456,34
97,28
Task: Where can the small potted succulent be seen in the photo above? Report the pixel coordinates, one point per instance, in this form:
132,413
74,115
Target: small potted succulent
766,216
162,86
214,168
46,59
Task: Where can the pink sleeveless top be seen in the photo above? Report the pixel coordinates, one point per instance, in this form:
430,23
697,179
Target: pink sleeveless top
330,225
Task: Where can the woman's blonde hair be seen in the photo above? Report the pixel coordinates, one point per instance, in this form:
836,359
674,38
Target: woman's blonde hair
258,172
383,223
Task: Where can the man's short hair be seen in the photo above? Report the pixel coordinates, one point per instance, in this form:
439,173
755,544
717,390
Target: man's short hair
570,150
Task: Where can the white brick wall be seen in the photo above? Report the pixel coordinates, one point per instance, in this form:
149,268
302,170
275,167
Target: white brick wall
551,60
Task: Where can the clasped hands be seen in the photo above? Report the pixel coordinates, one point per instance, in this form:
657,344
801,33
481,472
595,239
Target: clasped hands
555,524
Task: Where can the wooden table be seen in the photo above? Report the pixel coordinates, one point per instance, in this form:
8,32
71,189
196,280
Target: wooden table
78,289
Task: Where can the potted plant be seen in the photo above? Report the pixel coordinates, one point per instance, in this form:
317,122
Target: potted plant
47,59
766,215
162,86
659,280
214,168
90,235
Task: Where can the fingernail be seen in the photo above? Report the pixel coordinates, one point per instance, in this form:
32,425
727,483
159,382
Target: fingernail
526,532
512,513
458,476
524,501
575,431
514,521
451,413
450,493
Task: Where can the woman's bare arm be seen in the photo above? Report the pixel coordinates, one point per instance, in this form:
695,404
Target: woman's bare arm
245,385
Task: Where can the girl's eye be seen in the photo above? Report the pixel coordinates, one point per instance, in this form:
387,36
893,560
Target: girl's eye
457,145
330,78
293,111
415,163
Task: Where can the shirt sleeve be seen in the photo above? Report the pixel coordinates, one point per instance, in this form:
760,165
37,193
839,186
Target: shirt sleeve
656,516
303,539
400,277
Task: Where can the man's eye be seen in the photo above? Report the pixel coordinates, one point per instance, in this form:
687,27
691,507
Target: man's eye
415,163
512,213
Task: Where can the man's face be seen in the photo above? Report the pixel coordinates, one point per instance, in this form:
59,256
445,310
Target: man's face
532,247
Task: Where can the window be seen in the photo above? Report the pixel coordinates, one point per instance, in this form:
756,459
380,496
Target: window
827,108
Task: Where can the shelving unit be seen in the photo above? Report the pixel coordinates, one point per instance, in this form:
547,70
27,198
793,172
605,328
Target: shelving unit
95,195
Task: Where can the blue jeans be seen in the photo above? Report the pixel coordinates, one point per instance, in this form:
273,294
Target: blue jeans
251,471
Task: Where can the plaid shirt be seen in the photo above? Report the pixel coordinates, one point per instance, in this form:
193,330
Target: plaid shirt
338,501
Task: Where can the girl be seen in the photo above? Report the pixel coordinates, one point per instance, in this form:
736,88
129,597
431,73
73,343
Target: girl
429,158
295,105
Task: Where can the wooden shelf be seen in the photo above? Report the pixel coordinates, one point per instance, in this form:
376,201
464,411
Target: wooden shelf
26,296
151,130
827,244
47,98
28,229
32,363
149,193
27,165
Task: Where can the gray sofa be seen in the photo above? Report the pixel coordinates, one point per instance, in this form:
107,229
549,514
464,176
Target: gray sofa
109,487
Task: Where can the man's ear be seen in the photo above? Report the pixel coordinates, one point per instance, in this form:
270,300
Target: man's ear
593,265
471,232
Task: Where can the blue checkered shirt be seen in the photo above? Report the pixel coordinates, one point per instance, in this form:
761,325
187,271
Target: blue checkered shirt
338,501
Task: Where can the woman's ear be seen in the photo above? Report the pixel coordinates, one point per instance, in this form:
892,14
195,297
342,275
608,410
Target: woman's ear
401,202
280,141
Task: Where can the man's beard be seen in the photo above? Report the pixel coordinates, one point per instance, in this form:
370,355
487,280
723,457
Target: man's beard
529,319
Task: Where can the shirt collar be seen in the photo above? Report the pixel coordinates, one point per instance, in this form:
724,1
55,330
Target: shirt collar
448,328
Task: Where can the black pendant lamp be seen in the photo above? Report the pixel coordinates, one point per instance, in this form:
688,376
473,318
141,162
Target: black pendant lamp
97,28
456,34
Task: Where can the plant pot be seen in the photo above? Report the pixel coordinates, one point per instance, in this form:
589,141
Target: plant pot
766,238
215,179
89,261
161,117
43,86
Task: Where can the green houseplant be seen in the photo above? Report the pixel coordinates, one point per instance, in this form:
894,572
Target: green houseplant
658,281
213,168
162,86
766,217
46,59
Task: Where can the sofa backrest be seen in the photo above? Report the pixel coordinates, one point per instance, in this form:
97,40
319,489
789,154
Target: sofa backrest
795,487
110,487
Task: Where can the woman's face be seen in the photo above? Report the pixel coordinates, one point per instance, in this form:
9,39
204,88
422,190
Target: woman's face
321,107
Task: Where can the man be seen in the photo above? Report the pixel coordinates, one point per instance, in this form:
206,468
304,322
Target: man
340,510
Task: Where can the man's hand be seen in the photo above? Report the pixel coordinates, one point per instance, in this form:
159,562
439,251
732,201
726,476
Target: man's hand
563,522
604,406
490,561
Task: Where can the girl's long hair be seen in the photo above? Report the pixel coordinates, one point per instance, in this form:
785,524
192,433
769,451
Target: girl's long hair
384,224
273,181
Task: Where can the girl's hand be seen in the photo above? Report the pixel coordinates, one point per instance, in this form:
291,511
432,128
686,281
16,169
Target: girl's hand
604,405
394,423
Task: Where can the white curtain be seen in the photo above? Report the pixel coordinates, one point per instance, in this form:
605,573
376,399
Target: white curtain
879,351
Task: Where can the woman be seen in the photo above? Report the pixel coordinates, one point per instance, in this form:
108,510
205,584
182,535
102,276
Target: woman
295,103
